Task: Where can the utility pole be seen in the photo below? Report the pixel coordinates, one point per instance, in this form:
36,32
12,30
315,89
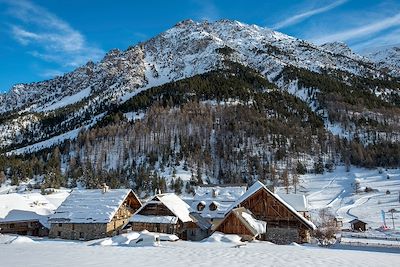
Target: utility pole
393,211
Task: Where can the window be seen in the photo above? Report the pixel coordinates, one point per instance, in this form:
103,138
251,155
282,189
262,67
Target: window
200,206
213,206
73,227
58,233
12,225
60,225
81,235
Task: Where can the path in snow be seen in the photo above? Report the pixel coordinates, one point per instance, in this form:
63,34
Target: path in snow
335,190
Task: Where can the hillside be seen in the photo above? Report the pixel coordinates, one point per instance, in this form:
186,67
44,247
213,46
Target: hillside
203,102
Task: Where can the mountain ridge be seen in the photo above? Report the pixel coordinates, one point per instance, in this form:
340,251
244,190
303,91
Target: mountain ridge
187,49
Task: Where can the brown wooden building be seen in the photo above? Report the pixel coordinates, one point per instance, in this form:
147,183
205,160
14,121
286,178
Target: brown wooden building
284,223
24,227
167,213
93,214
25,214
358,225
241,222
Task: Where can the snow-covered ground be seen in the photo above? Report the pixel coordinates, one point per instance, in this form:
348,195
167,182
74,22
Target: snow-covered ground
336,190
44,252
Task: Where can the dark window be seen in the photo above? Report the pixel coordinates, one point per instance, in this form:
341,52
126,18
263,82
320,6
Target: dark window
73,227
60,225
12,225
58,233
200,206
81,235
213,206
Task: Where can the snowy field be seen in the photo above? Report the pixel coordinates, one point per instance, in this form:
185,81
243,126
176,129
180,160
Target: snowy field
44,252
336,191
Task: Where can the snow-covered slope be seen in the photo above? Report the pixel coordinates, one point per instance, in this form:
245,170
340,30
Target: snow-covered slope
387,58
378,191
187,49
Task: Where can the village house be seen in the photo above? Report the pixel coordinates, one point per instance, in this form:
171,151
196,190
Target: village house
167,213
358,225
213,201
241,222
284,223
25,214
93,214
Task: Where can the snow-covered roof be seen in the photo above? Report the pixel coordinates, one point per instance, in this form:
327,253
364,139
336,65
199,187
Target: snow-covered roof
297,201
90,206
25,207
258,186
175,204
219,193
256,227
222,196
154,219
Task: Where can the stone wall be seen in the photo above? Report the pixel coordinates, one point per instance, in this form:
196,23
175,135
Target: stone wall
78,231
282,236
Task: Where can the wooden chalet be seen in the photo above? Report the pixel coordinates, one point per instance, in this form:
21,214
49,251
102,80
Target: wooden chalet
167,213
25,214
241,222
358,225
93,214
284,223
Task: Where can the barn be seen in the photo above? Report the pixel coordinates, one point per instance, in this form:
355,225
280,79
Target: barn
25,214
284,224
358,225
241,222
93,214
167,213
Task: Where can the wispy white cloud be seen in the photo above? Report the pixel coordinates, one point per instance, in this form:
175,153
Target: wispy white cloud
306,14
207,10
361,31
48,37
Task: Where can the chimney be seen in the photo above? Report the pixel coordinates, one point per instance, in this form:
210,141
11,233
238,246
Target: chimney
214,193
104,188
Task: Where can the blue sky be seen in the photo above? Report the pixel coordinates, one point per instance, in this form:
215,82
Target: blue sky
43,38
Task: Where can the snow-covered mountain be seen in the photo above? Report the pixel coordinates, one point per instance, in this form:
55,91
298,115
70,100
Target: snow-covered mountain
187,49
387,57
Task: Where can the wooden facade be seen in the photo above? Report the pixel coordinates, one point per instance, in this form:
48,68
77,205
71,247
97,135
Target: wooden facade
283,225
235,224
168,222
26,227
89,231
358,225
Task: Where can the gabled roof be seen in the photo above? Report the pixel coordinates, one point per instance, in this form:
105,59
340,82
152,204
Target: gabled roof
260,186
356,221
25,207
90,206
175,204
256,227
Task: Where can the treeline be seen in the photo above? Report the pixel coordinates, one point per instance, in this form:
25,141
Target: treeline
227,126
